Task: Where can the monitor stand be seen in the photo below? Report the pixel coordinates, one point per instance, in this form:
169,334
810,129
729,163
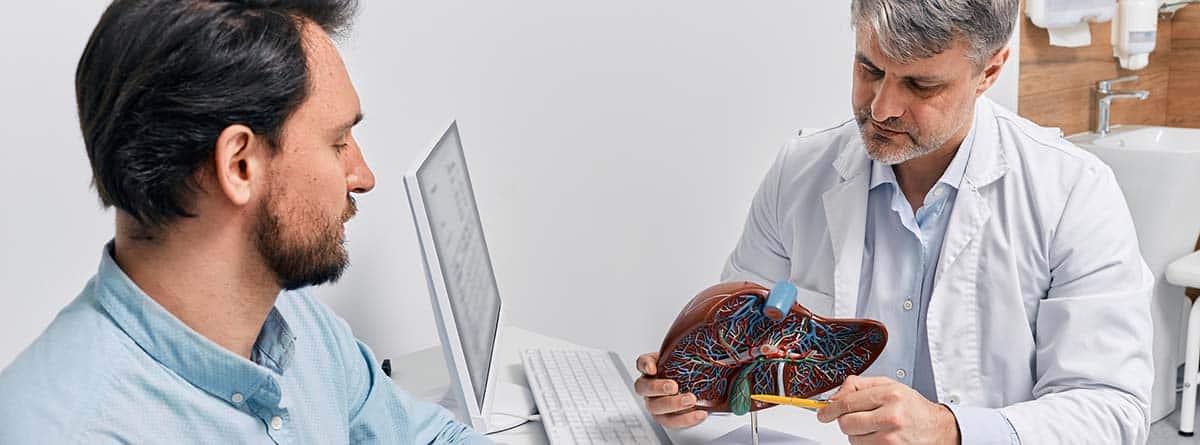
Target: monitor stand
513,406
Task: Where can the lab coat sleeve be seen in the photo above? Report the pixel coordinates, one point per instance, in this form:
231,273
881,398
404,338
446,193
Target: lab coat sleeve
760,256
1093,331
983,426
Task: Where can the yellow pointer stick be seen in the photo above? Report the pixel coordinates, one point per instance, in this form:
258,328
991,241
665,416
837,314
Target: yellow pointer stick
780,400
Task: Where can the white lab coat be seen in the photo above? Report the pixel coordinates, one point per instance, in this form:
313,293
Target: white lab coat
1041,300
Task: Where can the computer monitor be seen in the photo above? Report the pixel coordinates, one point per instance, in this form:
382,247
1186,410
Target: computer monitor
458,269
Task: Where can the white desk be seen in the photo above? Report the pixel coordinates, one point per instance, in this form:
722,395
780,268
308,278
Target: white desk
423,374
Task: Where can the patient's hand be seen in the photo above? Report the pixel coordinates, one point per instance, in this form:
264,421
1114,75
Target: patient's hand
669,408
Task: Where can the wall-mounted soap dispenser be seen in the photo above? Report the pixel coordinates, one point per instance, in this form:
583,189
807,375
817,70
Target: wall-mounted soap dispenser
1134,31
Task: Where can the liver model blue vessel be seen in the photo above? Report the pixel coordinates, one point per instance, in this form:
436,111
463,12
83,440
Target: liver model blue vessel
780,300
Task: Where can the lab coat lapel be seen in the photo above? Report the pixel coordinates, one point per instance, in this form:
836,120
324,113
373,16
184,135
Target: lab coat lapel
952,320
846,214
971,211
971,208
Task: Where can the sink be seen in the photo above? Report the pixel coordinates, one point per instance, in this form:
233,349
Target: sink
1158,169
1145,138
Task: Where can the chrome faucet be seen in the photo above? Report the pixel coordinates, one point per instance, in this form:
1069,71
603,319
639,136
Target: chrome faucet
1104,97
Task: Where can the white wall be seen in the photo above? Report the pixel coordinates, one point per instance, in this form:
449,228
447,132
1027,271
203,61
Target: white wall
614,147
51,226
1004,91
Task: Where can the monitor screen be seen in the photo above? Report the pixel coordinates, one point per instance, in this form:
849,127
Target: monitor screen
466,267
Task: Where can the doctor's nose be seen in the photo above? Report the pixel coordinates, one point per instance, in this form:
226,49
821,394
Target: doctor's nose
889,102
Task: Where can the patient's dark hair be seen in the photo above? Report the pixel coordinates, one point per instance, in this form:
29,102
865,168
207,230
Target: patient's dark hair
160,79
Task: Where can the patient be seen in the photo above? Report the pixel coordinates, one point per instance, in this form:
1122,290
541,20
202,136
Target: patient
221,132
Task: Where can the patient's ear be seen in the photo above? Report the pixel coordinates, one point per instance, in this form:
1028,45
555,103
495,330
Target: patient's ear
239,164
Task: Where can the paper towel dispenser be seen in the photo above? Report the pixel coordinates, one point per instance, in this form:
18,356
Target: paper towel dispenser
1067,20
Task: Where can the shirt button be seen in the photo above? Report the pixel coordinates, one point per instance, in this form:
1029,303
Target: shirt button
937,191
237,397
900,373
276,423
952,399
908,304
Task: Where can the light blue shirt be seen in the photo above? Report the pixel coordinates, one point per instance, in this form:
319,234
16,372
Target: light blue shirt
115,367
900,256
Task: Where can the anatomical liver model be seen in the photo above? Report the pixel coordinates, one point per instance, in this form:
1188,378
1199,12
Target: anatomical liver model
737,339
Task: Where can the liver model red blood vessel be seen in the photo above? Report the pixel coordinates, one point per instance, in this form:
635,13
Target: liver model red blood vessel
722,348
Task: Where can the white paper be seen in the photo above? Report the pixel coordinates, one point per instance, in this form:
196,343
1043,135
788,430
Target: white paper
1073,36
766,436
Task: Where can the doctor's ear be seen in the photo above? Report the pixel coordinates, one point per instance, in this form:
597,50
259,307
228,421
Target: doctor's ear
992,69
239,162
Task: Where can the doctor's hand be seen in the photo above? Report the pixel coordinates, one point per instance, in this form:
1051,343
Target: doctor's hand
879,410
669,408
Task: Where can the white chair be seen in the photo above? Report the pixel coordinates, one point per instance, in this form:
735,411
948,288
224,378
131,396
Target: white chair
1186,272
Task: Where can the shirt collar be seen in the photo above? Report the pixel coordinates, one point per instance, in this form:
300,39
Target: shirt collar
193,357
953,176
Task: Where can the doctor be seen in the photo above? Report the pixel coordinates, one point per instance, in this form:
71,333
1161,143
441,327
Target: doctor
1001,258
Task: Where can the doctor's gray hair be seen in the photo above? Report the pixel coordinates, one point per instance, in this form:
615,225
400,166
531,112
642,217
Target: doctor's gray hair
909,30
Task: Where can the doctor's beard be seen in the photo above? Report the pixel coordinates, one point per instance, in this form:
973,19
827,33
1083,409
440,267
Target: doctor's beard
897,148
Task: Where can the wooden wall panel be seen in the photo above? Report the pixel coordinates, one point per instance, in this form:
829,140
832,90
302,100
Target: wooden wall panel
1188,19
1183,104
1056,84
1047,68
1073,108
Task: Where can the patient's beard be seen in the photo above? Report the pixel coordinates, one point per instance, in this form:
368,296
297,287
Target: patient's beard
309,251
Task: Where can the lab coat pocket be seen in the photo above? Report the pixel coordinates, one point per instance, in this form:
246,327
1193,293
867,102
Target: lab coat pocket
817,302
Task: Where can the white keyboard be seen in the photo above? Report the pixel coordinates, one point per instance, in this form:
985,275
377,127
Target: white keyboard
585,397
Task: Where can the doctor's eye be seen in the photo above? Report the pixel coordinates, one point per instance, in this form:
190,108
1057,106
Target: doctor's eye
870,72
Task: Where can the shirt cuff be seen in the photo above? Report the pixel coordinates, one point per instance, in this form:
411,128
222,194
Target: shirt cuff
983,426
